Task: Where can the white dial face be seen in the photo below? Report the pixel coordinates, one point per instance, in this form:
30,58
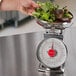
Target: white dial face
52,52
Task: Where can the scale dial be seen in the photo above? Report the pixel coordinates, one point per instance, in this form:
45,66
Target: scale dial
52,52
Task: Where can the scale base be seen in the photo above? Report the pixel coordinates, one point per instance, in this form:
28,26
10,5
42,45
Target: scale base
58,70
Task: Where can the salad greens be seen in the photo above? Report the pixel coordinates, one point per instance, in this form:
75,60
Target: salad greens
49,12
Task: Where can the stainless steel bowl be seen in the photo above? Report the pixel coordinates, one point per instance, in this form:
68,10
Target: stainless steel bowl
58,25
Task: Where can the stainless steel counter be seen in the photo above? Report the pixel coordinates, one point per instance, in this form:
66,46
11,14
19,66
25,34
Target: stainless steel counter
70,41
18,54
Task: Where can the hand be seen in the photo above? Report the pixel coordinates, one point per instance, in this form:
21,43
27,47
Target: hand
27,6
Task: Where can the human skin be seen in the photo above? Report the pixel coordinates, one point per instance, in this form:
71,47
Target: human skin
25,6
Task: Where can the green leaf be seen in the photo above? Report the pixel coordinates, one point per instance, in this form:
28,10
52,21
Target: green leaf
36,14
45,16
68,15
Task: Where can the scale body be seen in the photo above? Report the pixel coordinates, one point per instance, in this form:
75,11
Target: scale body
52,52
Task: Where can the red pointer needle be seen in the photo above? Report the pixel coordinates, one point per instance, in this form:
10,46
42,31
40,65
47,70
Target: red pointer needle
51,52
52,46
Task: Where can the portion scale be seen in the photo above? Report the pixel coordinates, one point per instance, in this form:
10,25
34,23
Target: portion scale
52,52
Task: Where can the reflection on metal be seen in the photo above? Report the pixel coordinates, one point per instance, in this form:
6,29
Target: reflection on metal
18,55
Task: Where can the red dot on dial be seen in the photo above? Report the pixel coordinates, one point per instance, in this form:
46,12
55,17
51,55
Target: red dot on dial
51,53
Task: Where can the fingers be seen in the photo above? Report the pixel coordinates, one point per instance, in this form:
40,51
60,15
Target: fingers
30,11
35,5
27,11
